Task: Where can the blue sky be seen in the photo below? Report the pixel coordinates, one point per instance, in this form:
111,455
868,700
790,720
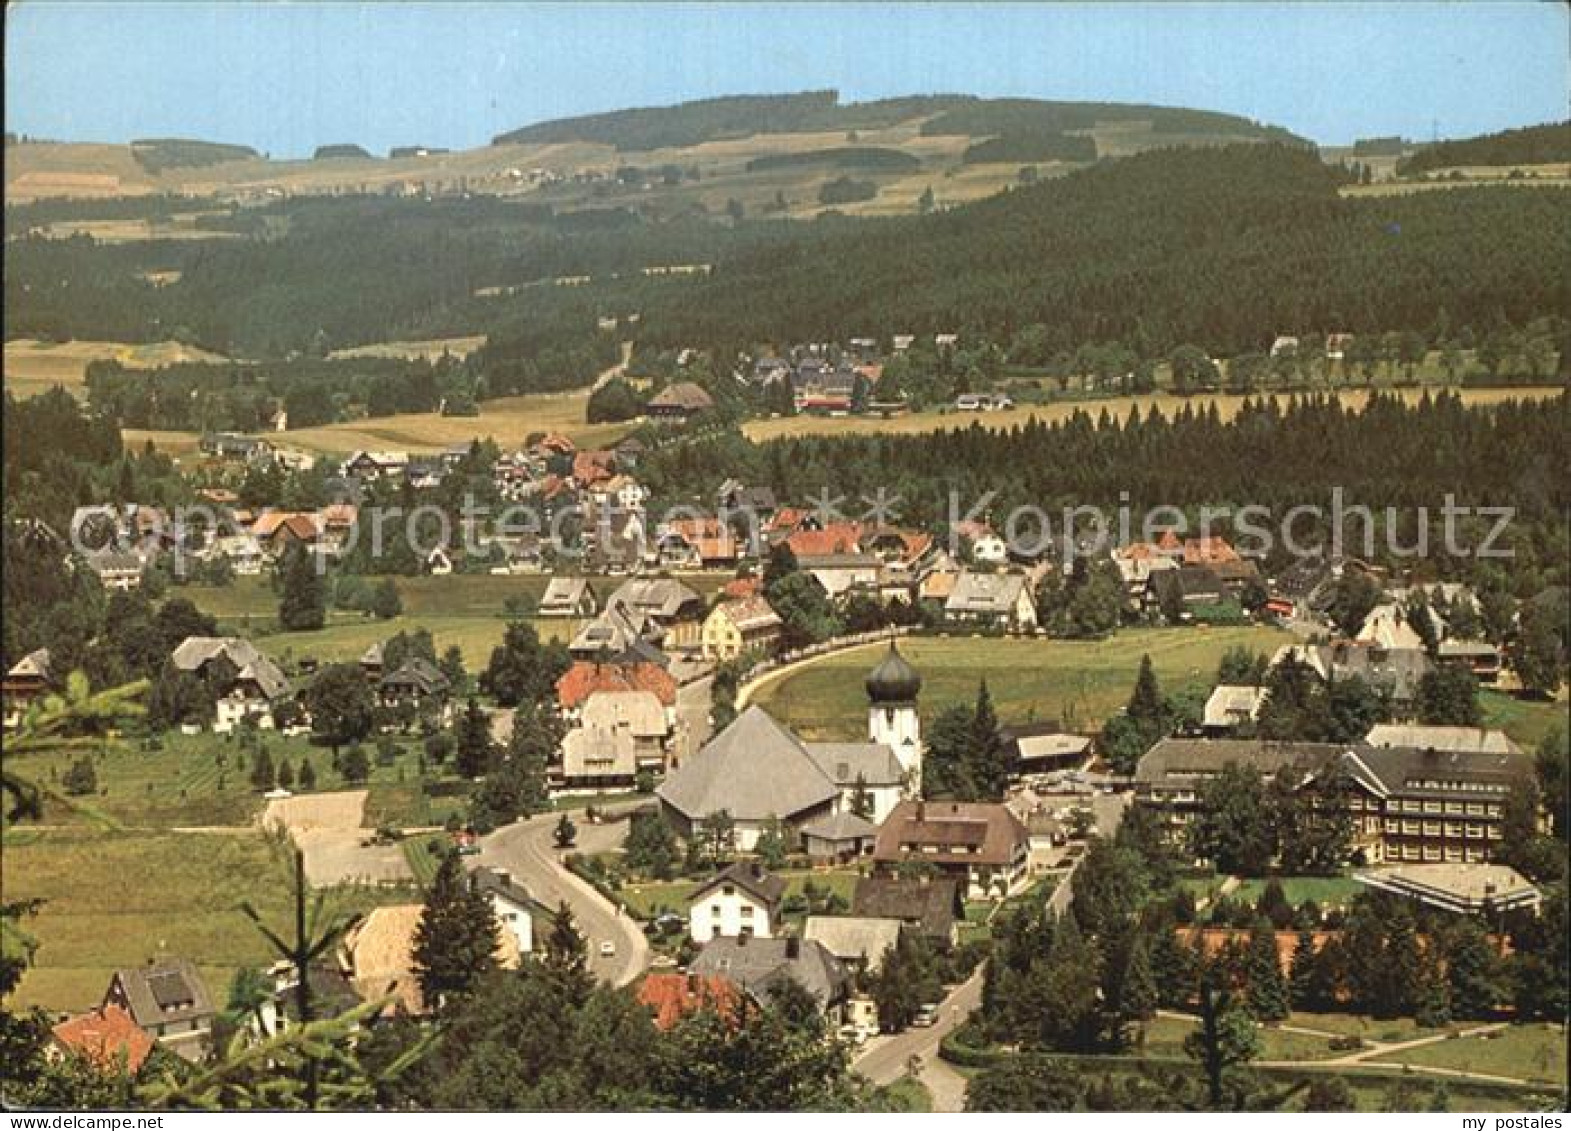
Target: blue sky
288,77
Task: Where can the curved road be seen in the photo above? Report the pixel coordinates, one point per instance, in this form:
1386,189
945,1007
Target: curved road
527,850
883,1059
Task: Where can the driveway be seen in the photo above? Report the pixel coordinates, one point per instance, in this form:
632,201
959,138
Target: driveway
884,1058
527,850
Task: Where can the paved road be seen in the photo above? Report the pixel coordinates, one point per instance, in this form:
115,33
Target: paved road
527,850
883,1060
692,718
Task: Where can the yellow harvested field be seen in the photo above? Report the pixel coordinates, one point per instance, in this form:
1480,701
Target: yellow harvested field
507,420
33,367
427,350
181,226
170,443
937,421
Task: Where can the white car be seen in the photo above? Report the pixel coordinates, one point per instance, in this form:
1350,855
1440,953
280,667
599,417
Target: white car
607,949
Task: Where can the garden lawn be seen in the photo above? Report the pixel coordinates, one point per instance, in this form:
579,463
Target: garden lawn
1360,1025
117,899
1526,721
1534,1052
1326,891
1078,682
1165,1038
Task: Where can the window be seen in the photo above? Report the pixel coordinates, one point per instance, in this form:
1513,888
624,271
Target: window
747,911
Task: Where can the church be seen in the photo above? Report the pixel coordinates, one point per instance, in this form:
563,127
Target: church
758,771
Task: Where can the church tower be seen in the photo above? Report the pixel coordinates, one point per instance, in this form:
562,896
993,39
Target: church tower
892,688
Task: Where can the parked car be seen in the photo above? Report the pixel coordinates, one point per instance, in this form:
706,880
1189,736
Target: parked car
925,1016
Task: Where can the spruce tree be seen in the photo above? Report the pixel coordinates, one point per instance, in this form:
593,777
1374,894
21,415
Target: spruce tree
1139,996
455,943
1267,989
302,602
474,747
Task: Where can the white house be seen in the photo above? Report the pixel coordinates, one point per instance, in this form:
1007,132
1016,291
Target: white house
1002,600
515,909
743,899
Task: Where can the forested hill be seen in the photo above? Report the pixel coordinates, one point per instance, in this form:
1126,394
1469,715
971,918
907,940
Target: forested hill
1531,145
710,119
1223,247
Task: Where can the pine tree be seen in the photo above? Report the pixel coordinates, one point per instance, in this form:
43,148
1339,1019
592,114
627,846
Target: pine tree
1138,989
1145,702
263,776
286,774
302,603
1473,971
307,775
1266,989
566,952
986,761
1302,976
456,941
474,747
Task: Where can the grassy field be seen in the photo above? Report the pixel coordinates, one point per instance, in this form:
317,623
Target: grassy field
1527,721
1527,1052
1079,682
117,899
203,781
463,609
1327,891
1384,1030
507,420
33,367
938,420
1165,1037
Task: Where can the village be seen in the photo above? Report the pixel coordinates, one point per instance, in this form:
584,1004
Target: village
707,851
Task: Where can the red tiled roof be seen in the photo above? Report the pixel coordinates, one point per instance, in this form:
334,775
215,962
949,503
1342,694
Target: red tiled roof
787,518
593,467
739,587
675,996
107,1037
585,678
557,442
835,538
709,536
1202,551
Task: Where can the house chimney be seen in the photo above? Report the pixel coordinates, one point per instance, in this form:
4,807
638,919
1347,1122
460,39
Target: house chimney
692,984
503,876
921,810
793,947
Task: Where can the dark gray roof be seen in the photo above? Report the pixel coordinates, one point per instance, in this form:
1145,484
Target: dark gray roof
927,902
417,675
1176,761
759,965
846,762
840,826
750,876
161,994
754,769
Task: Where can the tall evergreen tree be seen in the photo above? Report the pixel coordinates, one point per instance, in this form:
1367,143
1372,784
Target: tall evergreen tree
302,602
456,940
1266,989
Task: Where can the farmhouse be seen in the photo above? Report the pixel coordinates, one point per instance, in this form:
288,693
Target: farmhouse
997,600
929,905
667,602
680,401
169,1000
747,624
568,597
982,845
618,734
743,899
760,966
620,635
247,683
28,681
859,943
